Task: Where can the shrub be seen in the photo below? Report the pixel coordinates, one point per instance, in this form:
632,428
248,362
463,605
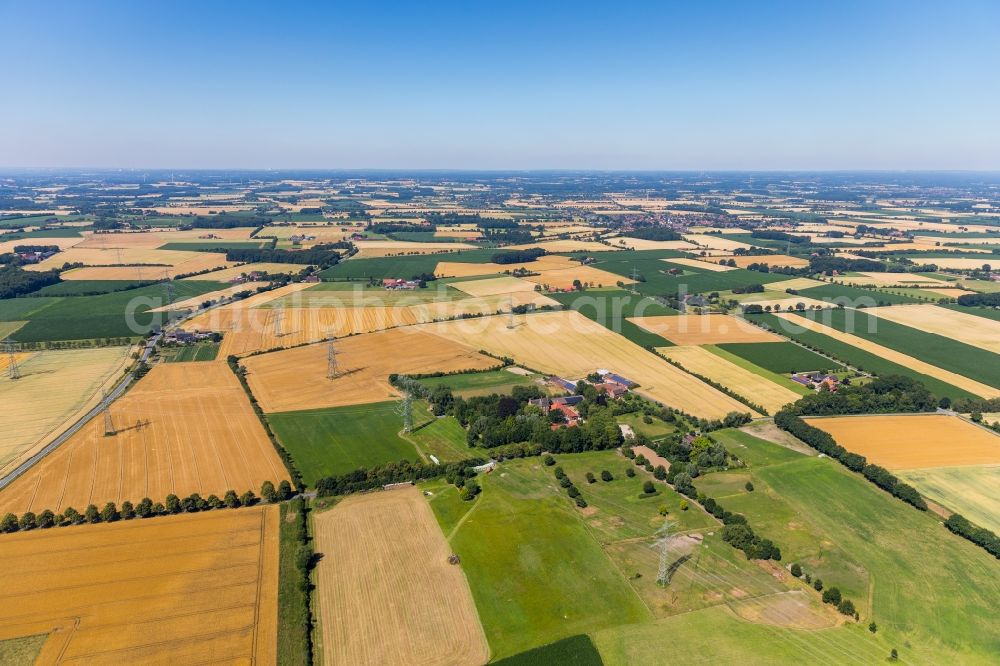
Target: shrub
173,504
268,493
109,513
582,503
46,519
231,500
648,487
684,505
572,491
28,521
9,523
127,510
91,515
630,472
606,476
749,487
831,595
818,584
549,461
248,498
145,508
846,607
591,478
796,570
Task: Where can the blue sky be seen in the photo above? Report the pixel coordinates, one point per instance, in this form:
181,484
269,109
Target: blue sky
643,85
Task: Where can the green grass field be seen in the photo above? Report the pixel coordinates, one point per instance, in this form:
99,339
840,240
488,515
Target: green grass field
86,287
406,266
481,383
202,351
325,442
536,573
88,317
780,357
293,623
443,438
773,377
23,651
971,491
988,313
612,309
861,359
655,430
649,265
837,293
938,350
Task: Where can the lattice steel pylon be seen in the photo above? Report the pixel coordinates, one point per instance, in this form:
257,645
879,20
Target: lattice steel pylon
109,425
278,314
13,371
510,320
332,369
663,572
405,409
168,287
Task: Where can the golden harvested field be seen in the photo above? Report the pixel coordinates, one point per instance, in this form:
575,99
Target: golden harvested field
55,388
184,428
712,265
446,269
554,272
181,589
955,262
891,280
195,302
63,243
200,262
796,283
642,244
713,242
750,385
913,441
154,239
770,260
234,271
389,596
786,302
492,286
968,328
568,344
295,379
120,256
389,248
567,245
247,330
200,210
799,323
704,329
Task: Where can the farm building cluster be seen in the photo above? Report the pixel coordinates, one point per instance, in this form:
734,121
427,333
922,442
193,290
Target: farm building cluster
605,382
817,381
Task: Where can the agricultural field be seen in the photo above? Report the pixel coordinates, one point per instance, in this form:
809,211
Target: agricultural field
945,352
971,490
204,438
338,440
614,310
570,345
207,582
854,296
704,329
386,595
769,393
970,329
56,387
484,383
780,357
232,272
364,368
202,351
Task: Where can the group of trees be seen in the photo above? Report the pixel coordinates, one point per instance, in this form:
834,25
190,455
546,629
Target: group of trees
654,233
517,256
976,299
226,221
779,236
888,394
566,484
980,536
830,595
378,476
827,264
14,281
823,442
146,508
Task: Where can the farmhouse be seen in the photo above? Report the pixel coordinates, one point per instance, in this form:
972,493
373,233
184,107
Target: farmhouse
396,284
816,380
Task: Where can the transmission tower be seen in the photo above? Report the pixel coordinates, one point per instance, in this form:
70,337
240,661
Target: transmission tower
109,425
510,320
332,370
405,409
635,274
168,287
278,314
663,573
13,371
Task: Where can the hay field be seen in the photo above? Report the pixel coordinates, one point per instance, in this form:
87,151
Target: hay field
154,239
913,441
195,302
456,269
752,386
389,596
643,244
295,379
201,262
892,280
704,329
120,256
973,491
565,245
184,428
388,248
892,355
795,283
55,388
770,260
970,329
713,266
554,272
180,589
63,243
492,286
568,344
233,271
713,242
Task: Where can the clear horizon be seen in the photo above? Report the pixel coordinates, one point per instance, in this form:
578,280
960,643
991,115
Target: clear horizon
845,87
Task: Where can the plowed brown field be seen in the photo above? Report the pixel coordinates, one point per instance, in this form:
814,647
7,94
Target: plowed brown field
389,596
184,428
194,588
